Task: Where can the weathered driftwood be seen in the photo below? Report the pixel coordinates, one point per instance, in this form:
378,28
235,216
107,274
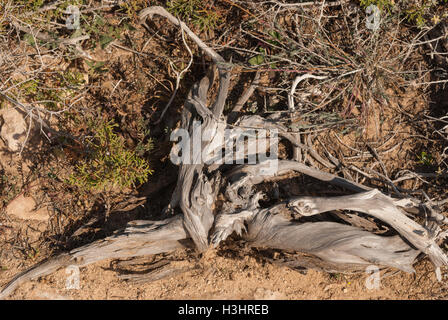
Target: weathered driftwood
380,206
138,239
333,242
253,174
202,223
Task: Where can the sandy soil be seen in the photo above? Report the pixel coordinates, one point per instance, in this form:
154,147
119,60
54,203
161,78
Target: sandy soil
232,271
229,278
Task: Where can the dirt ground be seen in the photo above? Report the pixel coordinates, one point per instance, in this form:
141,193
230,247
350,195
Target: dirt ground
218,277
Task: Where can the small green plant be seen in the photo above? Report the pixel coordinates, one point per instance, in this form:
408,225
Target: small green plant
72,78
143,147
195,10
30,87
256,60
39,89
9,188
273,39
133,7
101,31
425,158
335,276
33,253
109,164
96,67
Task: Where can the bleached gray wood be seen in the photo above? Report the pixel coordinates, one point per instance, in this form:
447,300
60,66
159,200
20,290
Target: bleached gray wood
139,238
380,206
253,174
333,242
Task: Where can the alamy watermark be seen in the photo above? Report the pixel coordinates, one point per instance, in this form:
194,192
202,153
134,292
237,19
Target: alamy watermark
72,22
72,281
373,280
373,19
226,146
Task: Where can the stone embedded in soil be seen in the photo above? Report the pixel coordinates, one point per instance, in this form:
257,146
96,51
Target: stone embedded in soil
25,208
266,294
13,128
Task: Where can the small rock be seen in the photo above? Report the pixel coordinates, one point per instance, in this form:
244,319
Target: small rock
266,294
328,287
14,128
25,208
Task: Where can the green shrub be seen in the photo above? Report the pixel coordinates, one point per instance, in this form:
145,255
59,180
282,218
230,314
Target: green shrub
109,164
195,10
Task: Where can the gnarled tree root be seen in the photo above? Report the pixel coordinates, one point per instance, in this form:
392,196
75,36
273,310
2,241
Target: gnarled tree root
138,239
332,242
